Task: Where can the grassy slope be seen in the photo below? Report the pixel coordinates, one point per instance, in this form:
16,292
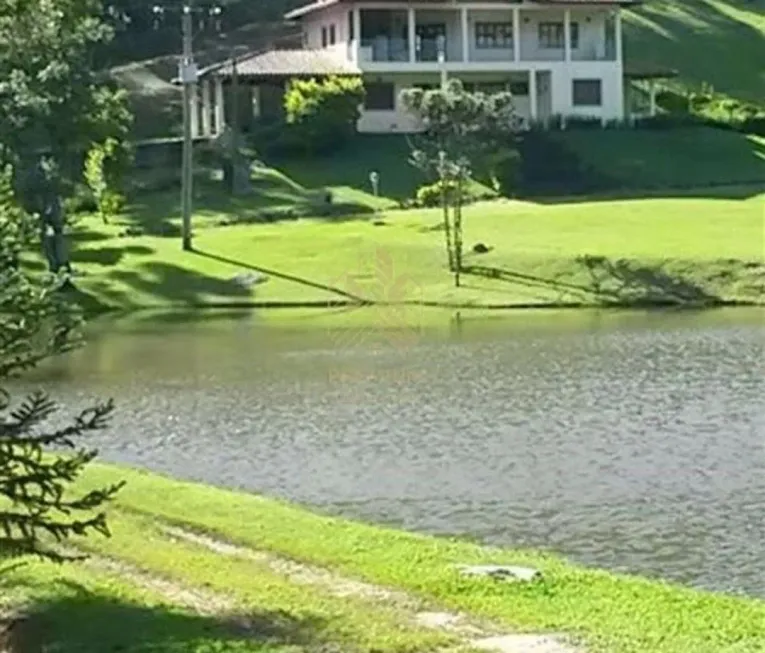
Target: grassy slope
652,248
90,610
719,42
697,156
619,614
78,610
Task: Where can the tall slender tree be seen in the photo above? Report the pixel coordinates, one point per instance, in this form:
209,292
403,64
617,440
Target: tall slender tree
462,130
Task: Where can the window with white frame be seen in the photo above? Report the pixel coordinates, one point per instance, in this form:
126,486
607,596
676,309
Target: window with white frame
552,36
332,34
324,37
587,93
493,36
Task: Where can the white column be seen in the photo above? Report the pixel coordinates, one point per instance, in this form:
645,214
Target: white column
618,36
533,95
567,34
411,35
465,34
357,34
652,97
516,34
220,116
206,109
194,111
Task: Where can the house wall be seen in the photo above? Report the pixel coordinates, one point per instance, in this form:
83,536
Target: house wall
554,75
400,121
591,34
312,25
612,85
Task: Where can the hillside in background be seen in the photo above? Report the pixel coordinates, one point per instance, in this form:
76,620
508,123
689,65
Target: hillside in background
717,42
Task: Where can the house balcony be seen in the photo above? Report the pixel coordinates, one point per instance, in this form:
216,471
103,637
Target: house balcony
422,37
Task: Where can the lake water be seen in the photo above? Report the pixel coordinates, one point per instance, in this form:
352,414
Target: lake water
631,441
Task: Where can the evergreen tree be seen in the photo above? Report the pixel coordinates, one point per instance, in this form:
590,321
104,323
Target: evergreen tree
38,463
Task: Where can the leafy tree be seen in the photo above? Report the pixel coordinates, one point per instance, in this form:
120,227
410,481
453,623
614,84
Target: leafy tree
460,130
53,104
51,98
37,503
323,112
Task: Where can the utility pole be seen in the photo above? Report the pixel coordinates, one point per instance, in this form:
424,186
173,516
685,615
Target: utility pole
188,79
234,133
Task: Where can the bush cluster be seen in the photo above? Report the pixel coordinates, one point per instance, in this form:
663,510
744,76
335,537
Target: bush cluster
714,110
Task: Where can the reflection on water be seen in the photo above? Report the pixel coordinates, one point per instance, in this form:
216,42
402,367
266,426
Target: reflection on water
629,441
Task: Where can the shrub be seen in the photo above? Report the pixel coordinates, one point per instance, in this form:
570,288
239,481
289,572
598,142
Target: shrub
583,122
707,108
668,121
81,200
754,125
506,173
673,102
323,113
102,173
432,194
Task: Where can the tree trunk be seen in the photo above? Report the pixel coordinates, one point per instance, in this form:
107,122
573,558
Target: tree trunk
458,232
447,227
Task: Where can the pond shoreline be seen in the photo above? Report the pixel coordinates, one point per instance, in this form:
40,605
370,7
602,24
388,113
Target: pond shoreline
211,307
202,534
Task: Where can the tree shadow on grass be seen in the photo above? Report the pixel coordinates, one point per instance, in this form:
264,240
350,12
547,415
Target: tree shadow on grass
156,284
109,255
82,621
619,282
175,284
272,198
351,165
285,276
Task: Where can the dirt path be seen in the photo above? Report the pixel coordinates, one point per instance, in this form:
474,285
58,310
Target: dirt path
474,634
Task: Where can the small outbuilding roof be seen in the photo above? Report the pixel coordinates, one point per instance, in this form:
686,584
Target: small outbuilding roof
285,63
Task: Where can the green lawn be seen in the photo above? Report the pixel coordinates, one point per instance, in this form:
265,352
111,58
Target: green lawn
719,42
656,159
83,610
595,252
164,595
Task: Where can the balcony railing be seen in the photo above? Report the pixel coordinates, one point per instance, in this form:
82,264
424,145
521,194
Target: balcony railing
384,48
528,35
595,52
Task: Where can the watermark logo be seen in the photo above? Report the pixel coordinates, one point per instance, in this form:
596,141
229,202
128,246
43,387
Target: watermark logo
392,322
395,313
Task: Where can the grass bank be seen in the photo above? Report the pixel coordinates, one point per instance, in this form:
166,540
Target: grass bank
299,581
708,41
618,252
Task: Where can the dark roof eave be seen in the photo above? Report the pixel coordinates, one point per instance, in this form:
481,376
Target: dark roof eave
299,12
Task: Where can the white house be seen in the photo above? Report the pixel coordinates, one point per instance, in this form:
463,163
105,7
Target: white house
557,57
